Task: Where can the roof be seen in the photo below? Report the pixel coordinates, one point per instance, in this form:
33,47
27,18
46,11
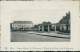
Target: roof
27,22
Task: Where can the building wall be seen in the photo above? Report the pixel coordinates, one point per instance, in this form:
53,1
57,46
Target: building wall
18,26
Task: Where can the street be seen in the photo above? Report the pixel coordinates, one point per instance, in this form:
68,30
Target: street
23,36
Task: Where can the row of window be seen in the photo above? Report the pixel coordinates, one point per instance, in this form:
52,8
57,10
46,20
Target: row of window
20,24
23,25
21,28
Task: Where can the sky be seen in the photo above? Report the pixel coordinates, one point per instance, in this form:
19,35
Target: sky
38,16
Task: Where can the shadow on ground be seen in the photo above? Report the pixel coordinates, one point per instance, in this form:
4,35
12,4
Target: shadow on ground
53,36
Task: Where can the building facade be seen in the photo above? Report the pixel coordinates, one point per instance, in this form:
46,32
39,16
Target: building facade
22,25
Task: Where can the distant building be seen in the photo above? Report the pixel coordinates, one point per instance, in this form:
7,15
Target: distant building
22,25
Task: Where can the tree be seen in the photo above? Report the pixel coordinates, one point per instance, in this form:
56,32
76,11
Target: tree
48,22
44,22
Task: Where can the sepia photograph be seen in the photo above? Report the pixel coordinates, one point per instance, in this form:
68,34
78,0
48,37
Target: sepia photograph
40,26
49,26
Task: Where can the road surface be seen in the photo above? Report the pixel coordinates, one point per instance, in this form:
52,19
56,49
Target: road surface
23,36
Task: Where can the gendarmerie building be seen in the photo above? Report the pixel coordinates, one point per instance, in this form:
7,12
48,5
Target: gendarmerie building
22,25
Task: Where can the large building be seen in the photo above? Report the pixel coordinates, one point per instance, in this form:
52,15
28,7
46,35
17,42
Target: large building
22,25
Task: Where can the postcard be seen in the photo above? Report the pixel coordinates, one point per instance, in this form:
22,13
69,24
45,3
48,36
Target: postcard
40,26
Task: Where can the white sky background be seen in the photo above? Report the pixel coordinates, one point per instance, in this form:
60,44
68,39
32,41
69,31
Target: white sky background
37,12
38,15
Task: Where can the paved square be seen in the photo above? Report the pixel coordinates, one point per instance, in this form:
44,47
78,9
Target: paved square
24,36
